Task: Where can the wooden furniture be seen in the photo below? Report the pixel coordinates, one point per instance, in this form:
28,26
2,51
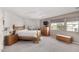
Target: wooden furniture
31,38
19,30
11,39
64,38
45,31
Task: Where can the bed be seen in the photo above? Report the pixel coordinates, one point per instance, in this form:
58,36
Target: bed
24,34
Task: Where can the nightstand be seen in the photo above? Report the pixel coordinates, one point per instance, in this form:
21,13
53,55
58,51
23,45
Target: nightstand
11,39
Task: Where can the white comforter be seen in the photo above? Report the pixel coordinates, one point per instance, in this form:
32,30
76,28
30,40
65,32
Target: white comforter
28,33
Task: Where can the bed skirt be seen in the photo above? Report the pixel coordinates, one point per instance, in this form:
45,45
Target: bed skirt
29,38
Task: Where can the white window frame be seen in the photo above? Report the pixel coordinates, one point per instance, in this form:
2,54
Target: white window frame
57,24
72,22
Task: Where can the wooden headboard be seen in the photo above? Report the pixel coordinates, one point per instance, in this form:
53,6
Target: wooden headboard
18,27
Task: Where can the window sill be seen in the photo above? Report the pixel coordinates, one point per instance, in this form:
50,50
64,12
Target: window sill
65,31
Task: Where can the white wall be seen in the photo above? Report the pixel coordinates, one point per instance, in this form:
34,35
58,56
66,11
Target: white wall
35,23
1,30
11,18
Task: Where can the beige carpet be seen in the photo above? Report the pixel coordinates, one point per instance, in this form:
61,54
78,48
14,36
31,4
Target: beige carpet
47,44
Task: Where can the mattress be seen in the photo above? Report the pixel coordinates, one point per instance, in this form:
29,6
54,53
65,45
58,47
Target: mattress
32,33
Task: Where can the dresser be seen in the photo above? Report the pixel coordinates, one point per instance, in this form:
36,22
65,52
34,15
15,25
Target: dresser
11,39
45,31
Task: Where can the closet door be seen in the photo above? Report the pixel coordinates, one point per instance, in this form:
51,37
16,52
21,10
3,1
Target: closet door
1,31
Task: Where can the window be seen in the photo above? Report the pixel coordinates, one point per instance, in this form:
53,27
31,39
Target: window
57,26
72,26
54,26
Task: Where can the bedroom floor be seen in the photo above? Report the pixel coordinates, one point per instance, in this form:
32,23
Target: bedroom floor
47,44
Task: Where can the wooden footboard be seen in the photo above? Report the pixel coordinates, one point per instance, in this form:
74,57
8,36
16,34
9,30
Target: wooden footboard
31,38
38,37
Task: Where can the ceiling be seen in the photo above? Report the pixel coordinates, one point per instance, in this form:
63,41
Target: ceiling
40,12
